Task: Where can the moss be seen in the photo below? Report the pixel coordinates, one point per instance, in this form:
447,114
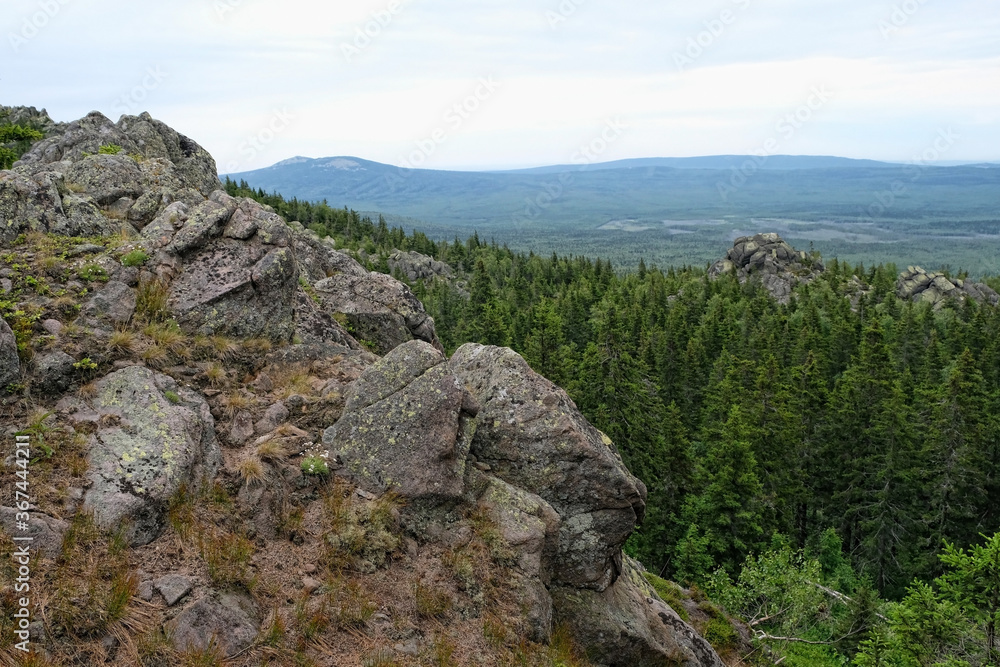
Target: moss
670,593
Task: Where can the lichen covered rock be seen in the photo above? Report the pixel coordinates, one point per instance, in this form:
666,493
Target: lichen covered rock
154,436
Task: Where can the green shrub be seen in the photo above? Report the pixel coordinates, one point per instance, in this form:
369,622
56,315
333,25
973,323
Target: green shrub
720,634
134,258
109,149
315,465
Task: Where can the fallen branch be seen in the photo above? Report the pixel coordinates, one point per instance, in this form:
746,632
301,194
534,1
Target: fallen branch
841,597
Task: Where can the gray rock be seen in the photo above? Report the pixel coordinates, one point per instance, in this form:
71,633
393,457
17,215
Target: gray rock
403,426
173,587
627,625
54,372
146,591
107,178
227,619
242,429
415,266
274,416
10,364
916,284
47,531
533,437
115,301
146,448
53,327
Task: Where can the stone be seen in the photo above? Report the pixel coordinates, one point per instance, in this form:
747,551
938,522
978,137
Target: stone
242,429
274,416
47,532
54,372
627,624
533,437
173,587
228,620
403,427
146,448
10,363
53,327
310,585
772,261
116,302
146,591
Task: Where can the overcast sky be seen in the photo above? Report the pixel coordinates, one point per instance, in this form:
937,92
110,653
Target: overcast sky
511,83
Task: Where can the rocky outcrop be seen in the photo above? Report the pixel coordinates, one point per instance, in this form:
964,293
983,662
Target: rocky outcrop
768,258
415,266
152,436
916,284
10,364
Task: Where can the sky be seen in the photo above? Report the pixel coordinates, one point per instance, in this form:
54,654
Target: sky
491,84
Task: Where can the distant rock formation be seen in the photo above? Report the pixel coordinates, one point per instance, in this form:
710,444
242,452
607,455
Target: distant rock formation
770,259
916,284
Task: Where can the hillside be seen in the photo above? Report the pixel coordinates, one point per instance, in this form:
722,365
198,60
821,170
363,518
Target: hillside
248,449
669,216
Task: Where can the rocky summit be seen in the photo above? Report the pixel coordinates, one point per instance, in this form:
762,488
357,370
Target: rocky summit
251,447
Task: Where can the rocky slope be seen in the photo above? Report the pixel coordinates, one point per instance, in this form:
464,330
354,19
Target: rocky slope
228,467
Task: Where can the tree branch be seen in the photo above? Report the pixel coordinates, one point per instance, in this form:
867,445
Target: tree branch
840,596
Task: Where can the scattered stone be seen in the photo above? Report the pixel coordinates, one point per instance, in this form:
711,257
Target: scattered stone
115,301
228,619
47,532
310,585
54,327
173,587
146,591
242,429
54,372
274,416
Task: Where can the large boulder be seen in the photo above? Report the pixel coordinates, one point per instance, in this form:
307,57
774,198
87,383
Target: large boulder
627,625
153,437
10,364
406,426
532,436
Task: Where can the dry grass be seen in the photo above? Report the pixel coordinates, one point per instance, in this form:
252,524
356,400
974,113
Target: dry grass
122,341
228,559
215,373
272,451
251,469
235,402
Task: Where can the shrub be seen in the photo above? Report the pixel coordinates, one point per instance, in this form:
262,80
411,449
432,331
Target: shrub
109,149
135,258
93,273
314,465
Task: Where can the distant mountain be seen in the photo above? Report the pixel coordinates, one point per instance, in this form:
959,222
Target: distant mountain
781,162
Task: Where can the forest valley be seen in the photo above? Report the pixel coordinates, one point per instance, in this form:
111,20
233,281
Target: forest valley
827,470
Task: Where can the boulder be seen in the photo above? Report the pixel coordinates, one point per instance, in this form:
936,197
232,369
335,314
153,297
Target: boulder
916,284
115,301
416,266
10,364
229,621
627,625
146,447
378,308
54,372
406,426
533,437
